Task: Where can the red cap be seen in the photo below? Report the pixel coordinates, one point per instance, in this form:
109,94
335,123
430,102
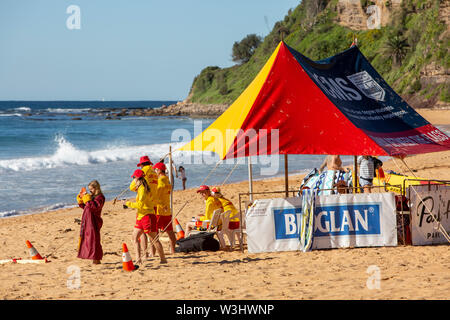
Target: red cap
161,166
138,174
215,190
143,160
203,188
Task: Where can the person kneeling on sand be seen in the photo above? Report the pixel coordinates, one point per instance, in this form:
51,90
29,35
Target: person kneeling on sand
162,199
212,204
89,246
145,217
227,206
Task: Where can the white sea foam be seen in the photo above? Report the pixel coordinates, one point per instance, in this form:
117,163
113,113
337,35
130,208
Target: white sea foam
25,109
67,154
63,110
53,207
10,213
57,206
11,115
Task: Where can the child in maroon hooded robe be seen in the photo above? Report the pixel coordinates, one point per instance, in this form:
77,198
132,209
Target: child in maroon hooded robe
90,246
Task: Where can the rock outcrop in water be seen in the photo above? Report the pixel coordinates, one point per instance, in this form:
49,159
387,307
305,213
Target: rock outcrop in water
182,108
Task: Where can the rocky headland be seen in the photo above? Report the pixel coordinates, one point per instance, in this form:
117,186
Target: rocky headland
182,108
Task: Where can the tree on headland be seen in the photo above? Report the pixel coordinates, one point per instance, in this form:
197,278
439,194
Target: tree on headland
244,49
396,46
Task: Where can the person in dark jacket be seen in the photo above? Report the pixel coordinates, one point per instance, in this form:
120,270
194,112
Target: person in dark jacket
89,246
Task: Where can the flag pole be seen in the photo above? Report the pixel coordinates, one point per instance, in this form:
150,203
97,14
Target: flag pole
286,177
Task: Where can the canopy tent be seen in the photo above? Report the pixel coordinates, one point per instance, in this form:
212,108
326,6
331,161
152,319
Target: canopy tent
339,105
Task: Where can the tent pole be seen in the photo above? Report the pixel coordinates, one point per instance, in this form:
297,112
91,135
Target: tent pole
250,179
355,173
171,179
286,178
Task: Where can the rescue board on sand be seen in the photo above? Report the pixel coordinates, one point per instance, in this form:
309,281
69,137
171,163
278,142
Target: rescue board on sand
394,182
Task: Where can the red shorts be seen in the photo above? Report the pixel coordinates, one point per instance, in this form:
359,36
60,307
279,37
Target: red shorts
147,223
163,221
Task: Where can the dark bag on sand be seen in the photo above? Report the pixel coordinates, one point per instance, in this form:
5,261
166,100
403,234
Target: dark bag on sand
203,241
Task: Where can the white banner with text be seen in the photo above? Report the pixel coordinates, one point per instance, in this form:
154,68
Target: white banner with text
343,220
355,220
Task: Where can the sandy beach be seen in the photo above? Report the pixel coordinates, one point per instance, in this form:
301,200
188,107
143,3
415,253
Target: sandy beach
407,272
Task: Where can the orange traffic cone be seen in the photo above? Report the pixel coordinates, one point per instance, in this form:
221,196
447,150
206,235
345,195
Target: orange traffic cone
179,230
33,252
126,259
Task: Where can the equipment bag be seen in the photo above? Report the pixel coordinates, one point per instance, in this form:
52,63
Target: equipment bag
203,241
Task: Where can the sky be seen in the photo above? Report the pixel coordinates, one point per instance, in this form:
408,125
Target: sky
121,50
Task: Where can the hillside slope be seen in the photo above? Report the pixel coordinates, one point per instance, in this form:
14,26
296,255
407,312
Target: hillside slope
322,28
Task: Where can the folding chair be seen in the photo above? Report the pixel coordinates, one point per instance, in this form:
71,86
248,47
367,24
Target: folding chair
215,221
230,233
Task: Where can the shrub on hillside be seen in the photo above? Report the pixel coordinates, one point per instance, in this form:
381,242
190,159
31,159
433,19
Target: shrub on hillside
244,49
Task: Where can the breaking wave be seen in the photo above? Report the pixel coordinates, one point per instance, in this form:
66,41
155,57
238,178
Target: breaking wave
24,109
67,154
10,115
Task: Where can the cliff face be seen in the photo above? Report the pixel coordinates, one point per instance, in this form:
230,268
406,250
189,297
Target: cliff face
351,13
322,28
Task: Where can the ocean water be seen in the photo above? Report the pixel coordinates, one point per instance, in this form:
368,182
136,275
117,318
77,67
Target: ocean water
46,156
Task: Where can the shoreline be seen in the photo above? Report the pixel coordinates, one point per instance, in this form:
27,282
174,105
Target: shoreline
278,178
299,174
388,164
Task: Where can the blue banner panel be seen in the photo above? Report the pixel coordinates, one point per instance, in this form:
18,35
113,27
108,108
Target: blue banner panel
287,223
337,220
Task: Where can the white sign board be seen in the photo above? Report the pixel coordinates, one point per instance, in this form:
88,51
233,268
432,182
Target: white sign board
357,220
423,201
273,225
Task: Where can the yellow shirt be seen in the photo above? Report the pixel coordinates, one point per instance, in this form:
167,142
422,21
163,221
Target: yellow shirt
152,180
143,204
228,205
212,204
163,196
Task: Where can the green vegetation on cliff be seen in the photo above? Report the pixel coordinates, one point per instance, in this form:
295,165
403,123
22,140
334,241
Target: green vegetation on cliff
414,40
